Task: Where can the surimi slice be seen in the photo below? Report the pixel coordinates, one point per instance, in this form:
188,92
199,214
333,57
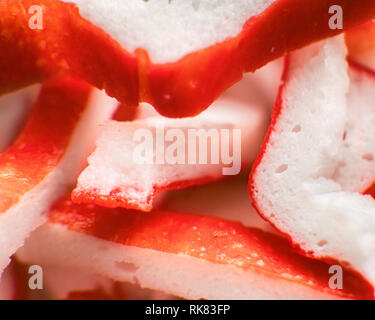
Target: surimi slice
118,174
308,178
186,255
176,55
46,157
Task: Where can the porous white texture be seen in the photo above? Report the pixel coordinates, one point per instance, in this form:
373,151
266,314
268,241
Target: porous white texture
357,170
177,274
170,29
112,166
27,214
295,183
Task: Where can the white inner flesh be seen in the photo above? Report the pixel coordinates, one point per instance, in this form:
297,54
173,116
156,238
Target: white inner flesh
295,182
26,215
170,29
112,165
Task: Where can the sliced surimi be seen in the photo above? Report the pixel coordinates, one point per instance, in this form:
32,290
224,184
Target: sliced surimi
189,256
316,160
177,55
46,157
134,161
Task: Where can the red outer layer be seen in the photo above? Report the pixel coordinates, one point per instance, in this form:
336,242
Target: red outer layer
43,141
71,44
116,199
361,39
207,238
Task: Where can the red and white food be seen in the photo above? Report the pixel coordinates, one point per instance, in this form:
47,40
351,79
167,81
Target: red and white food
190,256
128,130
46,157
317,159
176,55
154,157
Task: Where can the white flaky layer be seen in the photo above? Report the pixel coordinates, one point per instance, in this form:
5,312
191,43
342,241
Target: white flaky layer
307,184
170,29
116,166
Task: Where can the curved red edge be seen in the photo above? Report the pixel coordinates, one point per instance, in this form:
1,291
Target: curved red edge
182,88
274,118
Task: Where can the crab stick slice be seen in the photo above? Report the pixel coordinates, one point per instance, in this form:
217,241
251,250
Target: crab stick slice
47,157
134,161
179,56
316,159
190,256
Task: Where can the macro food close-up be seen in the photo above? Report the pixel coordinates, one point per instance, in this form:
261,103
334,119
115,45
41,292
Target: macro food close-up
178,150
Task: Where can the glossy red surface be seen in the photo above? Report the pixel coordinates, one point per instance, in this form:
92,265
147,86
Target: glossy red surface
43,141
211,239
70,44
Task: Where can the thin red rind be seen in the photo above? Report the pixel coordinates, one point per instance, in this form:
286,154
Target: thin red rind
71,44
276,112
115,199
207,238
44,139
